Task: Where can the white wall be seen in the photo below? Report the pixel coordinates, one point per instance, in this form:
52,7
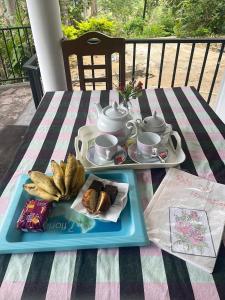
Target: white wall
220,107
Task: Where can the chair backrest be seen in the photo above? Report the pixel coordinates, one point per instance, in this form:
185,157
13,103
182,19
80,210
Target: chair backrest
90,44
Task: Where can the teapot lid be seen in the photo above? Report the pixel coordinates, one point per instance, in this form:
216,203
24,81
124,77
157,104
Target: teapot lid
115,112
154,120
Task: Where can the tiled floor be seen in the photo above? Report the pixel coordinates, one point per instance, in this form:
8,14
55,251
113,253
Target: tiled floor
16,105
16,111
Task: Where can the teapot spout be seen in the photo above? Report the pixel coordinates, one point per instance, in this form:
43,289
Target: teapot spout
98,108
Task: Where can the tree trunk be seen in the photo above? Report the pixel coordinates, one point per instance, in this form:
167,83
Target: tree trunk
85,9
11,7
94,9
64,10
10,10
144,10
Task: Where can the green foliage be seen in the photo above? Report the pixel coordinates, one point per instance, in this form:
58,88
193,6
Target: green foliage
96,24
150,6
161,23
69,31
18,51
134,27
18,18
21,15
23,54
121,10
198,18
181,31
102,25
73,11
15,50
155,30
183,18
167,20
167,17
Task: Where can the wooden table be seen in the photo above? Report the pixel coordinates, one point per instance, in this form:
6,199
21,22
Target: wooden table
125,273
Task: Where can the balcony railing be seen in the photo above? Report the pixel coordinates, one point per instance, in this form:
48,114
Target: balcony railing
216,45
16,47
161,62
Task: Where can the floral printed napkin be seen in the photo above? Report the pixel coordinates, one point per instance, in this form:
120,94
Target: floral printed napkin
187,219
190,232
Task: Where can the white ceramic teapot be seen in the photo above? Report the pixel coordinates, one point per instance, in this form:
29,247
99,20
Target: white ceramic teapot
112,120
153,124
157,125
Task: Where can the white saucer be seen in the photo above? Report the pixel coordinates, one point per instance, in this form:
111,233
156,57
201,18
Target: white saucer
118,158
136,156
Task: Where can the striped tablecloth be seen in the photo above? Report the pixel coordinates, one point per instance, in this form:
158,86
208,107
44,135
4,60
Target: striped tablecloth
125,273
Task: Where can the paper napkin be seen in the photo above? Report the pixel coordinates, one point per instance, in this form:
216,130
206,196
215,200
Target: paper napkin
114,211
186,218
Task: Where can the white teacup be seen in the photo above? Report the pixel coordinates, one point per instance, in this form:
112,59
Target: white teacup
146,141
106,146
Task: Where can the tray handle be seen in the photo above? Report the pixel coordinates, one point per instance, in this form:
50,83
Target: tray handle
178,140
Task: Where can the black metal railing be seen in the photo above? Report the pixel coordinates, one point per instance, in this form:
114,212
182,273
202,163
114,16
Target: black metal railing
217,44
16,47
152,75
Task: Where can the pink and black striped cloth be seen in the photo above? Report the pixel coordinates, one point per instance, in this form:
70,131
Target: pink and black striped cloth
125,273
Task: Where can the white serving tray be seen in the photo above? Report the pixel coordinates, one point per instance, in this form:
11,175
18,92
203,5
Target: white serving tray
87,133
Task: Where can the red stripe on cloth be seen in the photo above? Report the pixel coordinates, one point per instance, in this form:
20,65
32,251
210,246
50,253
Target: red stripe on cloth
107,291
12,290
151,250
204,291
58,291
156,291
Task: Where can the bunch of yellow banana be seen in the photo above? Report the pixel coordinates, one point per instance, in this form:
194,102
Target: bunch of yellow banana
65,183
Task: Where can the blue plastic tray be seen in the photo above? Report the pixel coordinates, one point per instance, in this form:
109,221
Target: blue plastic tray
68,230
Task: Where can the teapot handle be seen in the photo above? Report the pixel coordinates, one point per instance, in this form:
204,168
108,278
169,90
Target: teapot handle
130,124
169,128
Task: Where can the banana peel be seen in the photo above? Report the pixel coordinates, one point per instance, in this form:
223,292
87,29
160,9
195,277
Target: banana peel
43,182
70,172
58,177
67,179
63,166
34,190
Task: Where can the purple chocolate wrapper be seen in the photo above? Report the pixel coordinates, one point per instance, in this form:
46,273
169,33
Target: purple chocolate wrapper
34,215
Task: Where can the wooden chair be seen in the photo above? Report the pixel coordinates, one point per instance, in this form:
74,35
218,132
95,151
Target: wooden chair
90,44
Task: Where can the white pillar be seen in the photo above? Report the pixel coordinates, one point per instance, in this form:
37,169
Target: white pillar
220,106
47,33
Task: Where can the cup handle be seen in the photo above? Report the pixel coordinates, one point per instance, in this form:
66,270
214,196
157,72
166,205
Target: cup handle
178,139
130,124
77,150
107,152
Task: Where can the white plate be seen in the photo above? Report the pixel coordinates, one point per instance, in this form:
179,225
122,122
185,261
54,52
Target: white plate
136,156
96,160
